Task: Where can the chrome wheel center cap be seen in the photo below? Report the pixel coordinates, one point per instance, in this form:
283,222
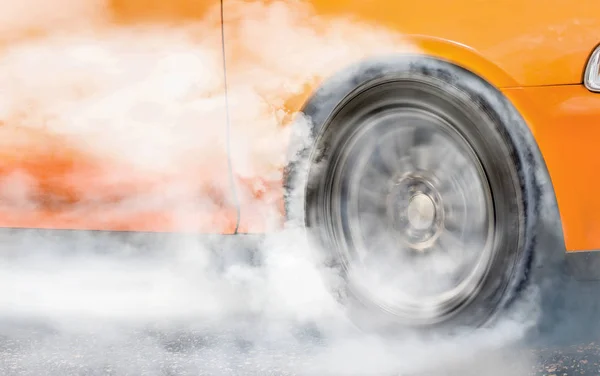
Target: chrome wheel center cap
421,211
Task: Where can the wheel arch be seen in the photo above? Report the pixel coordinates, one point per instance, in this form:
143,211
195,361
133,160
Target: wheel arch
454,53
464,56
533,171
428,47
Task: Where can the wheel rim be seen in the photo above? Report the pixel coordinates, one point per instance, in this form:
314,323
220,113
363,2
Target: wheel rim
412,212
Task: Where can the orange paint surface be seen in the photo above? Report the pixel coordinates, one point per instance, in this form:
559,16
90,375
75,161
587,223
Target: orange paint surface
535,42
49,179
49,182
280,51
538,58
567,129
138,11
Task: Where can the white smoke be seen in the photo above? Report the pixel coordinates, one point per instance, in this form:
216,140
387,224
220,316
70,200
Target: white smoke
126,94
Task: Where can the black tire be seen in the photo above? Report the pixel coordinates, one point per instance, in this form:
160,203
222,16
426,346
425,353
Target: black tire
488,122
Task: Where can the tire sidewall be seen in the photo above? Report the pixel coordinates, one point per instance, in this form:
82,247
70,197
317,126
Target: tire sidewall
510,126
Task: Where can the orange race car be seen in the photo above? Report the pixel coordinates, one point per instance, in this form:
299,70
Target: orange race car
411,138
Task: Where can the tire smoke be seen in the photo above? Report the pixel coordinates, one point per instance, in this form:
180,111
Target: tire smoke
118,90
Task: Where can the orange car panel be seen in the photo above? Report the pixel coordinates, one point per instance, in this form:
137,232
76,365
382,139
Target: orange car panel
277,54
516,45
535,42
53,177
48,181
566,120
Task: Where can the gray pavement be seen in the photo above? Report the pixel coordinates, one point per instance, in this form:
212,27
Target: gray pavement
150,305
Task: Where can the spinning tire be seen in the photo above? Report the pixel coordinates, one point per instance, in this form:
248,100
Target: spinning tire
415,192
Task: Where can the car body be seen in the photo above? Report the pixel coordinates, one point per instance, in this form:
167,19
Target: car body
267,58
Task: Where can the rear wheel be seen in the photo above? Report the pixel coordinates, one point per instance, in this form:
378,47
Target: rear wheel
414,191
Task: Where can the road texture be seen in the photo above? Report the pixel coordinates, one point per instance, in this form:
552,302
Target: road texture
94,322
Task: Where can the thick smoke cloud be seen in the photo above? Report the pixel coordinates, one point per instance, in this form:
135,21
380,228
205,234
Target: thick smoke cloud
134,89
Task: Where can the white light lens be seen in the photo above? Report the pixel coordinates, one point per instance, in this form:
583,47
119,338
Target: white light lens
591,79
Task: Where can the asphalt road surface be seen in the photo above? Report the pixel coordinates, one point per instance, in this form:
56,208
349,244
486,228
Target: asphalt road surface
63,314
39,353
